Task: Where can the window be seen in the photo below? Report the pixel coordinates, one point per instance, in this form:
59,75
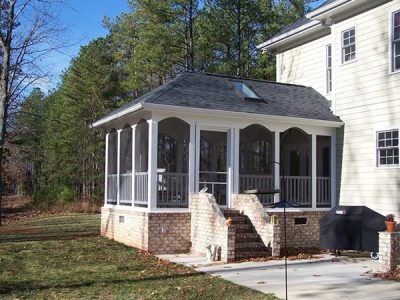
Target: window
388,147
328,69
244,90
348,45
395,41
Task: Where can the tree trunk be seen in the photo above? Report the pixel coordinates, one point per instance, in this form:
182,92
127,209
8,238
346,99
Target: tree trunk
5,42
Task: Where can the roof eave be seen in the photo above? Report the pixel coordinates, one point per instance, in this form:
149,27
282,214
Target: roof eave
273,43
318,16
234,114
327,8
117,115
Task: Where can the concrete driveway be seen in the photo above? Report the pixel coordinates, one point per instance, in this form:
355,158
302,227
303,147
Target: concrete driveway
329,277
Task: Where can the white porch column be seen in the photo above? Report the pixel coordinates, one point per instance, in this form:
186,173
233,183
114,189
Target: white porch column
133,163
314,170
152,167
236,162
230,165
192,158
277,167
118,164
333,170
106,172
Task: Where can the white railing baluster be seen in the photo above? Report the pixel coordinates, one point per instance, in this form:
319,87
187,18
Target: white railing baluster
141,190
172,189
126,189
323,192
112,188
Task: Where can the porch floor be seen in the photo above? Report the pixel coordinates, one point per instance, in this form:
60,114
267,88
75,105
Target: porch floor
328,277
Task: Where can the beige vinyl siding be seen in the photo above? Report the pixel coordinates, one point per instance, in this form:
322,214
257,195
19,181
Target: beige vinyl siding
366,98
305,65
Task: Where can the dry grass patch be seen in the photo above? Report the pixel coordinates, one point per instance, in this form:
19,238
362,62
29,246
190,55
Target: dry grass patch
63,257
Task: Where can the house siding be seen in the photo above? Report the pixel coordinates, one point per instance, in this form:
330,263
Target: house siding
366,97
305,64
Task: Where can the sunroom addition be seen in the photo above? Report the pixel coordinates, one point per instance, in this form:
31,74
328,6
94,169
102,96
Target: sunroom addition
197,139
300,154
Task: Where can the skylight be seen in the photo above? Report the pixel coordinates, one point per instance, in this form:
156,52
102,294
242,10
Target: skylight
244,90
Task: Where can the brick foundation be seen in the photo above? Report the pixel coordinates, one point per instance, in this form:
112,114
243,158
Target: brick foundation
157,233
205,224
208,227
252,207
389,251
300,235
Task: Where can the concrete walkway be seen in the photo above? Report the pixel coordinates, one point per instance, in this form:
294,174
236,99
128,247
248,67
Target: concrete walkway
325,278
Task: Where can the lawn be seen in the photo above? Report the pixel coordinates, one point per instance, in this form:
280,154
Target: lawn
64,257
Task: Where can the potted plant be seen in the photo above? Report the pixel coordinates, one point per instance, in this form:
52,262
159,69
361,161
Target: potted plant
390,223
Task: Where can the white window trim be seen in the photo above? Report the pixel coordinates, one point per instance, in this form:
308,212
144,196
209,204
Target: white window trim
328,91
391,35
378,166
342,46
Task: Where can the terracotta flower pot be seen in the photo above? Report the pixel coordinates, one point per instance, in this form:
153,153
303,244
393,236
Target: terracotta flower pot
390,226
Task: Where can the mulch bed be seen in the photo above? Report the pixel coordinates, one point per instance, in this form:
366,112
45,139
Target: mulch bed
293,254
392,275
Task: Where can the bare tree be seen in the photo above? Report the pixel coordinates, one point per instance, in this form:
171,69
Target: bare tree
28,32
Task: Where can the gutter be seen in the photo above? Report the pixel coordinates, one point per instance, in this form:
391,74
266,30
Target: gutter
117,115
314,22
234,114
326,8
288,34
216,113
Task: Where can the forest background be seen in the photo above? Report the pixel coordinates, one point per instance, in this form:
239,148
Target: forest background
50,152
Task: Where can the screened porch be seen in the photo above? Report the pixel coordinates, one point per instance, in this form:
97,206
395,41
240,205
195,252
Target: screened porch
155,164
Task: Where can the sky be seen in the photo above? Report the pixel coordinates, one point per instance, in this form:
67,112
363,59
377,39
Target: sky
83,22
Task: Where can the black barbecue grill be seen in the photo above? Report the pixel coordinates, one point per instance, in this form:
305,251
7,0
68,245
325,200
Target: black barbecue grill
351,228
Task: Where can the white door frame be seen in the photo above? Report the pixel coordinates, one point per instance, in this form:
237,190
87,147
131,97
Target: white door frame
229,157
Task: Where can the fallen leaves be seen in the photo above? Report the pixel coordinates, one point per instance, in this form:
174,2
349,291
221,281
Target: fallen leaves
392,275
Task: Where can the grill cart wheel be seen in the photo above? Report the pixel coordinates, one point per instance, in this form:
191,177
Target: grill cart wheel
374,255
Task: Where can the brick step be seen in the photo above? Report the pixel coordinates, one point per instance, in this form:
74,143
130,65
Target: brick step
249,237
249,246
238,219
244,228
250,254
230,213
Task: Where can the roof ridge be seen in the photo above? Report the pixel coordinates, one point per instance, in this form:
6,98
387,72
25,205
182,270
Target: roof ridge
248,79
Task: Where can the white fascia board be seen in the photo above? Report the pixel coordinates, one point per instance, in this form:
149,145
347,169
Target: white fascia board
326,8
287,35
242,115
119,114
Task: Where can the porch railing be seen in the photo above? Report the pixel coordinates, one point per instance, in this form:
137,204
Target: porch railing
172,189
141,188
112,188
262,182
297,189
125,182
323,192
216,182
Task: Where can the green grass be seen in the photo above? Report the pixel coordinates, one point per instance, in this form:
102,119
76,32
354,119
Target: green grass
64,257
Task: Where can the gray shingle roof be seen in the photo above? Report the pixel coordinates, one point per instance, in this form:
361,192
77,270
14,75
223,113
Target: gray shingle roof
212,91
299,22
